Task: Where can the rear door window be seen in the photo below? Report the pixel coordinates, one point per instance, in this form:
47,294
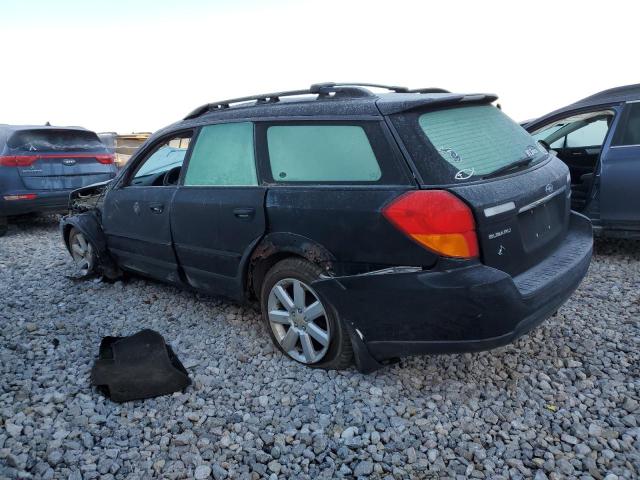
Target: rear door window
223,155
321,153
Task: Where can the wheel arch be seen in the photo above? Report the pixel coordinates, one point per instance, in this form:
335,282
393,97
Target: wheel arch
275,247
89,224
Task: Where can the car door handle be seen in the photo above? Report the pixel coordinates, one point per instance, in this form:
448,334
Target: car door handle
156,208
244,213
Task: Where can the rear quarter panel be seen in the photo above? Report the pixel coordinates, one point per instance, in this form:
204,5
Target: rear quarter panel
347,222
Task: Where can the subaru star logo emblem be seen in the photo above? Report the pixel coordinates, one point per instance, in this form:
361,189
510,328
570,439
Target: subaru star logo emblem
68,162
548,188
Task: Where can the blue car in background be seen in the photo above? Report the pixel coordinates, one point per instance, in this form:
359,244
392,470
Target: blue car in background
41,165
598,138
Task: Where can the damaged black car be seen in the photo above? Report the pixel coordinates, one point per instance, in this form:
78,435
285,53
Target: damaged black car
368,226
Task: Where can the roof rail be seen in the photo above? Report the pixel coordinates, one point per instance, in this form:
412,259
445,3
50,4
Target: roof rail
263,98
428,90
359,84
322,90
393,88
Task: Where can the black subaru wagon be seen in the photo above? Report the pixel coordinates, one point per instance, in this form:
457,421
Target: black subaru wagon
368,226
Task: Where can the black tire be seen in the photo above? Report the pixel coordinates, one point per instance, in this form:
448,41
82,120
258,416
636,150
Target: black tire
86,261
339,354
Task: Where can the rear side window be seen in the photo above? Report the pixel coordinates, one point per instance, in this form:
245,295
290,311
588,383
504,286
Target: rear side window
223,155
55,140
628,131
321,153
477,140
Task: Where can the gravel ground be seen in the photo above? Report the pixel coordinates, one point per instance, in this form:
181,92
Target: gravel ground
563,402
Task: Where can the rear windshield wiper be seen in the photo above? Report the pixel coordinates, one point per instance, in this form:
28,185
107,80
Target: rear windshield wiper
518,164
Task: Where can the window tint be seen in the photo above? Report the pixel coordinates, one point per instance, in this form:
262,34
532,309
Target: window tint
316,153
477,140
166,157
223,155
628,131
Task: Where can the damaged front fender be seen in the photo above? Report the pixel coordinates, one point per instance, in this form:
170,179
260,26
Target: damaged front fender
90,225
87,198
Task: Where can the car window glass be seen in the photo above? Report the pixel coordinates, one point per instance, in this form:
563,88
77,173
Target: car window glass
478,140
316,153
544,134
628,132
162,166
591,135
51,140
223,155
578,131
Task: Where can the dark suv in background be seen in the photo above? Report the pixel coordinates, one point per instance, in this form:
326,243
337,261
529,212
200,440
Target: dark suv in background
366,225
598,138
41,165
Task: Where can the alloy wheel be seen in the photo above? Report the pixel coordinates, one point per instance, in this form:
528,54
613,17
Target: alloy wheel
299,320
82,253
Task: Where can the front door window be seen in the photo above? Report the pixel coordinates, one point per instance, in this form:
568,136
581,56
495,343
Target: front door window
162,166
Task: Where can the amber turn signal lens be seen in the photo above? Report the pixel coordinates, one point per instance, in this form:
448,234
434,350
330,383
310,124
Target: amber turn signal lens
437,220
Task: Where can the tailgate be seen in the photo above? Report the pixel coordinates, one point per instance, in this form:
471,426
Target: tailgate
520,219
66,171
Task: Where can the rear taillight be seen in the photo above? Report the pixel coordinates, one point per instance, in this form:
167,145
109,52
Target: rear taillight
17,160
21,196
106,159
436,219
27,160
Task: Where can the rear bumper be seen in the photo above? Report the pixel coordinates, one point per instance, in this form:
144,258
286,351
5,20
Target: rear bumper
57,200
459,310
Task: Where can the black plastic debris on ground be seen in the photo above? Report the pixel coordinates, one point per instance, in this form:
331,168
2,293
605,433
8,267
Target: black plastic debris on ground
136,367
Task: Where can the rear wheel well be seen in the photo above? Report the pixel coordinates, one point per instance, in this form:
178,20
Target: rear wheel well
260,266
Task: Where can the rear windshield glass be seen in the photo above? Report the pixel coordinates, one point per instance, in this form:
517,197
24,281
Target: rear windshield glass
54,140
468,143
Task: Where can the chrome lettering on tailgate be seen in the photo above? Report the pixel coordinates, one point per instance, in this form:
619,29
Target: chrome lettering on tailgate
500,233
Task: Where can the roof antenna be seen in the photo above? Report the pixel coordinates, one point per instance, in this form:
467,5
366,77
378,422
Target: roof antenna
48,124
